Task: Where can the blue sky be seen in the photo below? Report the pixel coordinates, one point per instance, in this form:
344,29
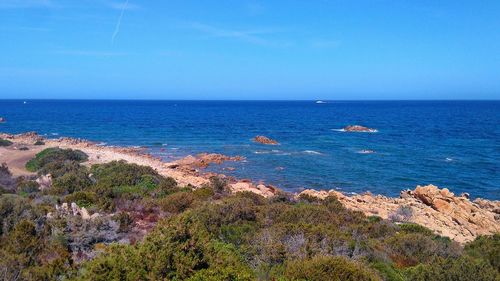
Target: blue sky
228,49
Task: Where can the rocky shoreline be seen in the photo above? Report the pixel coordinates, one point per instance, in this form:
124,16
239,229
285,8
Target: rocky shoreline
437,209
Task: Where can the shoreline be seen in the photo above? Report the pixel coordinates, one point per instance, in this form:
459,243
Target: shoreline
437,209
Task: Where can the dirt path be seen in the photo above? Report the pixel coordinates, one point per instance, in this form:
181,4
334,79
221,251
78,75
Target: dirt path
17,159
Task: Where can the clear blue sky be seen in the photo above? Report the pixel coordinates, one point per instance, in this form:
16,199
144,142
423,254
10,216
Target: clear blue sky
228,49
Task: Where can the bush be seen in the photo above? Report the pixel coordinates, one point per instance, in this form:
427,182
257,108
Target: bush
75,180
82,198
6,179
487,248
4,142
415,228
177,202
328,268
462,269
39,143
50,155
27,187
121,173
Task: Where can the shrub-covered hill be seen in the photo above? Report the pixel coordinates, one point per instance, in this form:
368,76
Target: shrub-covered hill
146,227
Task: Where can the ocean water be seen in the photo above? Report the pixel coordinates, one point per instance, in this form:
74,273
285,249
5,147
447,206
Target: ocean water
453,144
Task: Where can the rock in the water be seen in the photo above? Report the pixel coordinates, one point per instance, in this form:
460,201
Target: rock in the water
2,120
359,129
265,140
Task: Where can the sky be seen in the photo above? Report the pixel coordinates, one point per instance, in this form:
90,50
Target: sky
250,49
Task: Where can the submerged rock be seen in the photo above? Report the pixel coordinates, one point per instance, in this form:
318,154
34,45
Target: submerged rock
265,140
359,129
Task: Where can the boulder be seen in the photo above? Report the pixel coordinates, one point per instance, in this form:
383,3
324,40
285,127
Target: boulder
265,140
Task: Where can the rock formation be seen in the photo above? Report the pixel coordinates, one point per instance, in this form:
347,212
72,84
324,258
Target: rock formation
359,129
437,209
44,182
203,160
265,140
72,210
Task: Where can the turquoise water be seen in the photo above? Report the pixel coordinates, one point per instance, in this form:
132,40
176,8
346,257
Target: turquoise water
454,144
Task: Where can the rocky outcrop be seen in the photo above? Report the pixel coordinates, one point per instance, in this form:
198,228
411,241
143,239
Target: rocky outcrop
437,209
359,129
265,140
72,210
247,186
203,160
44,182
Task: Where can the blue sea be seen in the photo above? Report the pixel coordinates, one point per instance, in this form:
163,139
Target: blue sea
453,144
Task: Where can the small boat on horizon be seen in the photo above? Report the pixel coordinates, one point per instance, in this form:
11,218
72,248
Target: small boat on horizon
320,101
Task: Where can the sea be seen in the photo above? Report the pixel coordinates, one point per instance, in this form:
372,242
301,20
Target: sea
452,144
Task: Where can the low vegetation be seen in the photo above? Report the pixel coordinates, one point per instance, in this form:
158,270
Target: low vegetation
207,233
4,142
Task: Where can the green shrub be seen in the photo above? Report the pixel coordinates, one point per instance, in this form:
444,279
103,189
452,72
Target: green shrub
178,249
82,198
388,271
4,142
177,202
124,220
27,187
121,173
14,208
461,269
56,154
76,180
415,228
487,248
328,268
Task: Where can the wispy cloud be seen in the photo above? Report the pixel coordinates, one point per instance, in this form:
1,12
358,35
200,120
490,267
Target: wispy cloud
123,6
119,23
250,36
25,4
90,53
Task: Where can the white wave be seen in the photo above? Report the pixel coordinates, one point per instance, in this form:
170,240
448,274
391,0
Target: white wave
312,152
369,131
174,148
448,159
102,144
261,152
164,144
365,151
55,134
